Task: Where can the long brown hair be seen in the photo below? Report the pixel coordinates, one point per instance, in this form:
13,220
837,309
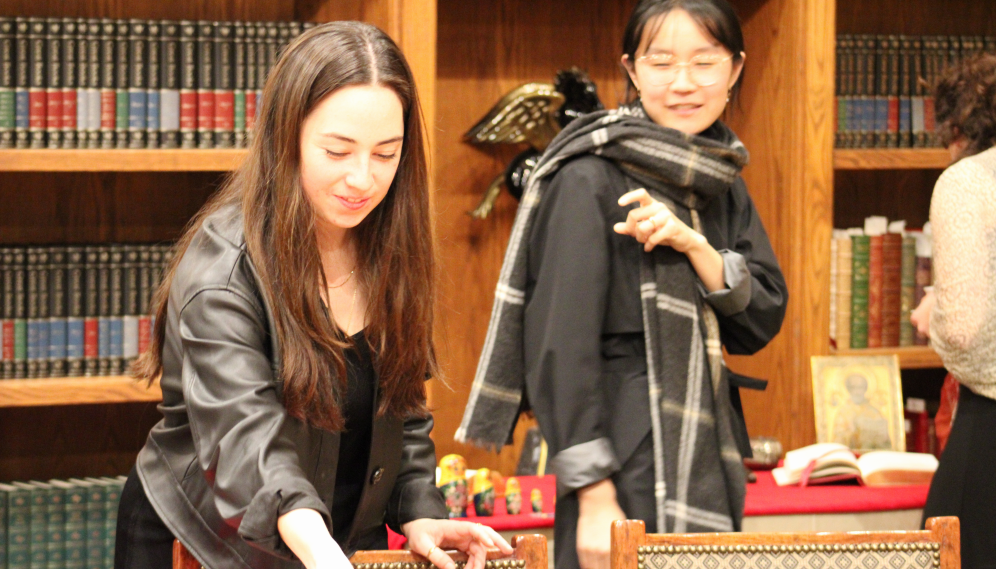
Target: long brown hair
395,259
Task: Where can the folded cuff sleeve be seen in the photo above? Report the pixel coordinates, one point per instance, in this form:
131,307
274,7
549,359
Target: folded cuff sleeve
584,464
736,296
259,524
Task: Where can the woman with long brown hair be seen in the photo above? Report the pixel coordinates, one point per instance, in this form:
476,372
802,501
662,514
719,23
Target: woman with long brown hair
293,336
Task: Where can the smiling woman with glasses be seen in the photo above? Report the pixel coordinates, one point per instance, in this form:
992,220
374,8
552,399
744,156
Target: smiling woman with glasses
613,318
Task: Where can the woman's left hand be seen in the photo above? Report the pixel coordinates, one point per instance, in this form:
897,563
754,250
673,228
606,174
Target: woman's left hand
653,224
429,537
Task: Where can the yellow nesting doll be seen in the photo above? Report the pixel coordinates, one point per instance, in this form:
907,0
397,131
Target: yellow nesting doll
453,484
483,491
536,497
513,496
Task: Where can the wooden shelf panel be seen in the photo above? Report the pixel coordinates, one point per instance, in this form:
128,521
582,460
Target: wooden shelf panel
891,159
161,160
913,357
75,391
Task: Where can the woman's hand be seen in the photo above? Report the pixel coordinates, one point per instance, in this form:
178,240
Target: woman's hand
598,508
653,224
305,533
429,537
920,317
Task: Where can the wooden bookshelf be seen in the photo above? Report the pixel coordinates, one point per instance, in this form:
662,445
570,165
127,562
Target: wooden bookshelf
891,159
160,160
913,357
75,391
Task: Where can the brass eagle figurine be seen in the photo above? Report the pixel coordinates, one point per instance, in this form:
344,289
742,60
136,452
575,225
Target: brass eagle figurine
533,113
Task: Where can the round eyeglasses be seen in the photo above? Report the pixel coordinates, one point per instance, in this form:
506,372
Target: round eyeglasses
703,70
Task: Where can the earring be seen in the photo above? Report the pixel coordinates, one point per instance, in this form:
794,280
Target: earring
728,93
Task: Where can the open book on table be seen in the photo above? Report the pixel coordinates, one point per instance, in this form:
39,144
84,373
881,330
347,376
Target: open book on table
822,463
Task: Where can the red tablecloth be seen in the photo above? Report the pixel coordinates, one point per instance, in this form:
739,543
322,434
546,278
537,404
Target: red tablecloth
764,498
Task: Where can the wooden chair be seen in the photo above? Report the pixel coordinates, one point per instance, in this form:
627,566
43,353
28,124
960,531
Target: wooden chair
937,547
530,553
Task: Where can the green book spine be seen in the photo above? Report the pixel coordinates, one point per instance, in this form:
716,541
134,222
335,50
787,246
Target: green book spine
95,528
112,497
3,526
37,526
74,532
860,250
907,291
55,524
18,522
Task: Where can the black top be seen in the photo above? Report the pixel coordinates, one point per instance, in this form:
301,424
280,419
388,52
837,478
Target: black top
586,369
354,442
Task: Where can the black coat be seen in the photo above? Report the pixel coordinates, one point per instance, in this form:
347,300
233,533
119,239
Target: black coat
227,459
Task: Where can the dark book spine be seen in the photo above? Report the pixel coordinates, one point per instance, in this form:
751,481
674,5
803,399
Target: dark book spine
131,304
70,75
859,131
923,275
224,83
104,310
44,331
906,85
7,266
153,96
20,315
239,67
917,100
205,84
283,37
76,276
122,81
262,64
58,305
145,292
91,312
31,279
892,59
881,91
838,85
169,92
117,275
188,84
108,78
252,83
138,72
37,98
8,59
990,44
53,83
850,88
22,100
91,123
892,266
272,46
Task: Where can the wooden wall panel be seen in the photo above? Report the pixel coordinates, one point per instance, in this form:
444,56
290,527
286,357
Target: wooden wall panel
958,17
786,125
485,49
169,10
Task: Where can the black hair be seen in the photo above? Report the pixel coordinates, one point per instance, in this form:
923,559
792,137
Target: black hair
715,17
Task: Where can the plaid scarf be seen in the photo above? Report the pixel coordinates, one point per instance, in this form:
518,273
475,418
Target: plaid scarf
688,392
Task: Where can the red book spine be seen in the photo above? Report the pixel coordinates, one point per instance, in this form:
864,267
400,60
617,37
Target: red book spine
144,333
224,110
892,266
108,108
188,110
69,109
91,337
37,109
250,109
875,292
205,110
917,439
53,109
8,340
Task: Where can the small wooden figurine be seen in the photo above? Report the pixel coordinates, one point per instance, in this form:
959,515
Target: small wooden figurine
483,491
536,497
453,484
513,496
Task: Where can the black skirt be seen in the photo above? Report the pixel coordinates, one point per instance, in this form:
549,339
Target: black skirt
965,482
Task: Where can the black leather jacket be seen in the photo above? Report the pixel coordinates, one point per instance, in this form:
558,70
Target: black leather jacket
227,460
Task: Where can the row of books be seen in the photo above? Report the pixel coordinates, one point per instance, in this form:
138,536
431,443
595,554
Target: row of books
76,310
107,83
883,86
878,275
59,524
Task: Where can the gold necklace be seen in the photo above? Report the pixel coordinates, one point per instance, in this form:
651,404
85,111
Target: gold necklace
352,307
343,283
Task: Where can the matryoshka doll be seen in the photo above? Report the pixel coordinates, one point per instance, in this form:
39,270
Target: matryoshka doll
536,497
453,484
483,491
513,496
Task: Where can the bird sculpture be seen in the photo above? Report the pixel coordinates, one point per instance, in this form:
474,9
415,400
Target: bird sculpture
532,113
